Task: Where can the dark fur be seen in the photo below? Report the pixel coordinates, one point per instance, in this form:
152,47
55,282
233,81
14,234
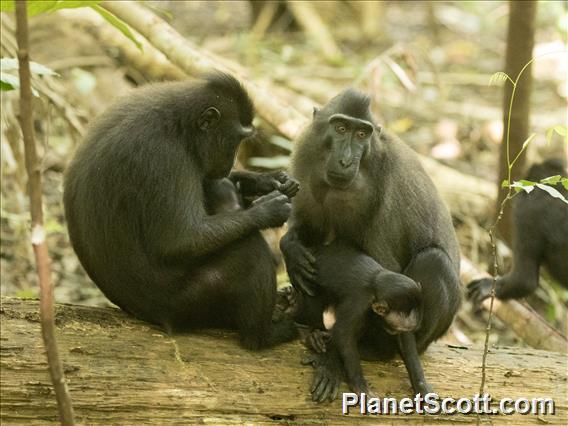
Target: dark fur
352,283
540,237
140,201
391,211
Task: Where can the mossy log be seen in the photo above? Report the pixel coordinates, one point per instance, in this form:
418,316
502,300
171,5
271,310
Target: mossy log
123,371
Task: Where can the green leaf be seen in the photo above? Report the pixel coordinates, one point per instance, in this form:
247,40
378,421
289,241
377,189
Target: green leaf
552,180
36,7
10,80
525,144
14,82
64,4
497,77
526,186
549,134
6,86
552,191
528,141
7,6
118,24
10,64
505,184
564,182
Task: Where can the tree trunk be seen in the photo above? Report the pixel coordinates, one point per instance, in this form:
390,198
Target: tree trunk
520,42
123,371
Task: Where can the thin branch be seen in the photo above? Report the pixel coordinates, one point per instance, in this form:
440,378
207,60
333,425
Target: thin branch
38,233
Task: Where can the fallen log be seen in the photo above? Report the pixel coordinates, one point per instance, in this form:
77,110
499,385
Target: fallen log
123,371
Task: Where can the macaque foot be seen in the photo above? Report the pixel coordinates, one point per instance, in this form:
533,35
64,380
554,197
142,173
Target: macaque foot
326,382
317,340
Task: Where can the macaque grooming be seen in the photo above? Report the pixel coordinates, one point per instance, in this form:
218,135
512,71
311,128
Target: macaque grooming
154,223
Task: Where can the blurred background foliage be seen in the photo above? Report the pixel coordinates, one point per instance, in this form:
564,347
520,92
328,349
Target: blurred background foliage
426,65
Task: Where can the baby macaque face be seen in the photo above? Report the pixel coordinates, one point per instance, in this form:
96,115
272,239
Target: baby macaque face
399,303
395,321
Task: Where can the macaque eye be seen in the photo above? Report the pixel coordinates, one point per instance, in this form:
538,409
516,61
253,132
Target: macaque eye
361,134
340,128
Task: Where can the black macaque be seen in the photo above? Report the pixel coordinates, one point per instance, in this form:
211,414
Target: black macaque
363,299
540,237
368,189
154,224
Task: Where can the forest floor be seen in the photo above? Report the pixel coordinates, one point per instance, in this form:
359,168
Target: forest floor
428,70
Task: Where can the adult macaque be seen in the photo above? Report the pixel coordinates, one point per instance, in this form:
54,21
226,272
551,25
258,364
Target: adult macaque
368,189
149,221
540,237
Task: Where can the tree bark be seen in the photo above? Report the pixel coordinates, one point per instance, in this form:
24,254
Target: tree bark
520,43
123,371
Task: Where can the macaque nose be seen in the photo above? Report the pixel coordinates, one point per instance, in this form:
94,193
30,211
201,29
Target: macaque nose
346,162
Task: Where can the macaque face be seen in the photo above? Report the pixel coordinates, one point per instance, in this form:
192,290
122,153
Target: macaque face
395,321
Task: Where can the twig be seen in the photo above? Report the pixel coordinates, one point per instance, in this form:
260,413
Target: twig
38,233
400,74
518,60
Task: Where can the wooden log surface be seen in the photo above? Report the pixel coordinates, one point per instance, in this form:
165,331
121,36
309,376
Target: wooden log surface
123,371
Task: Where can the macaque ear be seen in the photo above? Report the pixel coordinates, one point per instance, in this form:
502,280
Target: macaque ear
209,119
381,308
